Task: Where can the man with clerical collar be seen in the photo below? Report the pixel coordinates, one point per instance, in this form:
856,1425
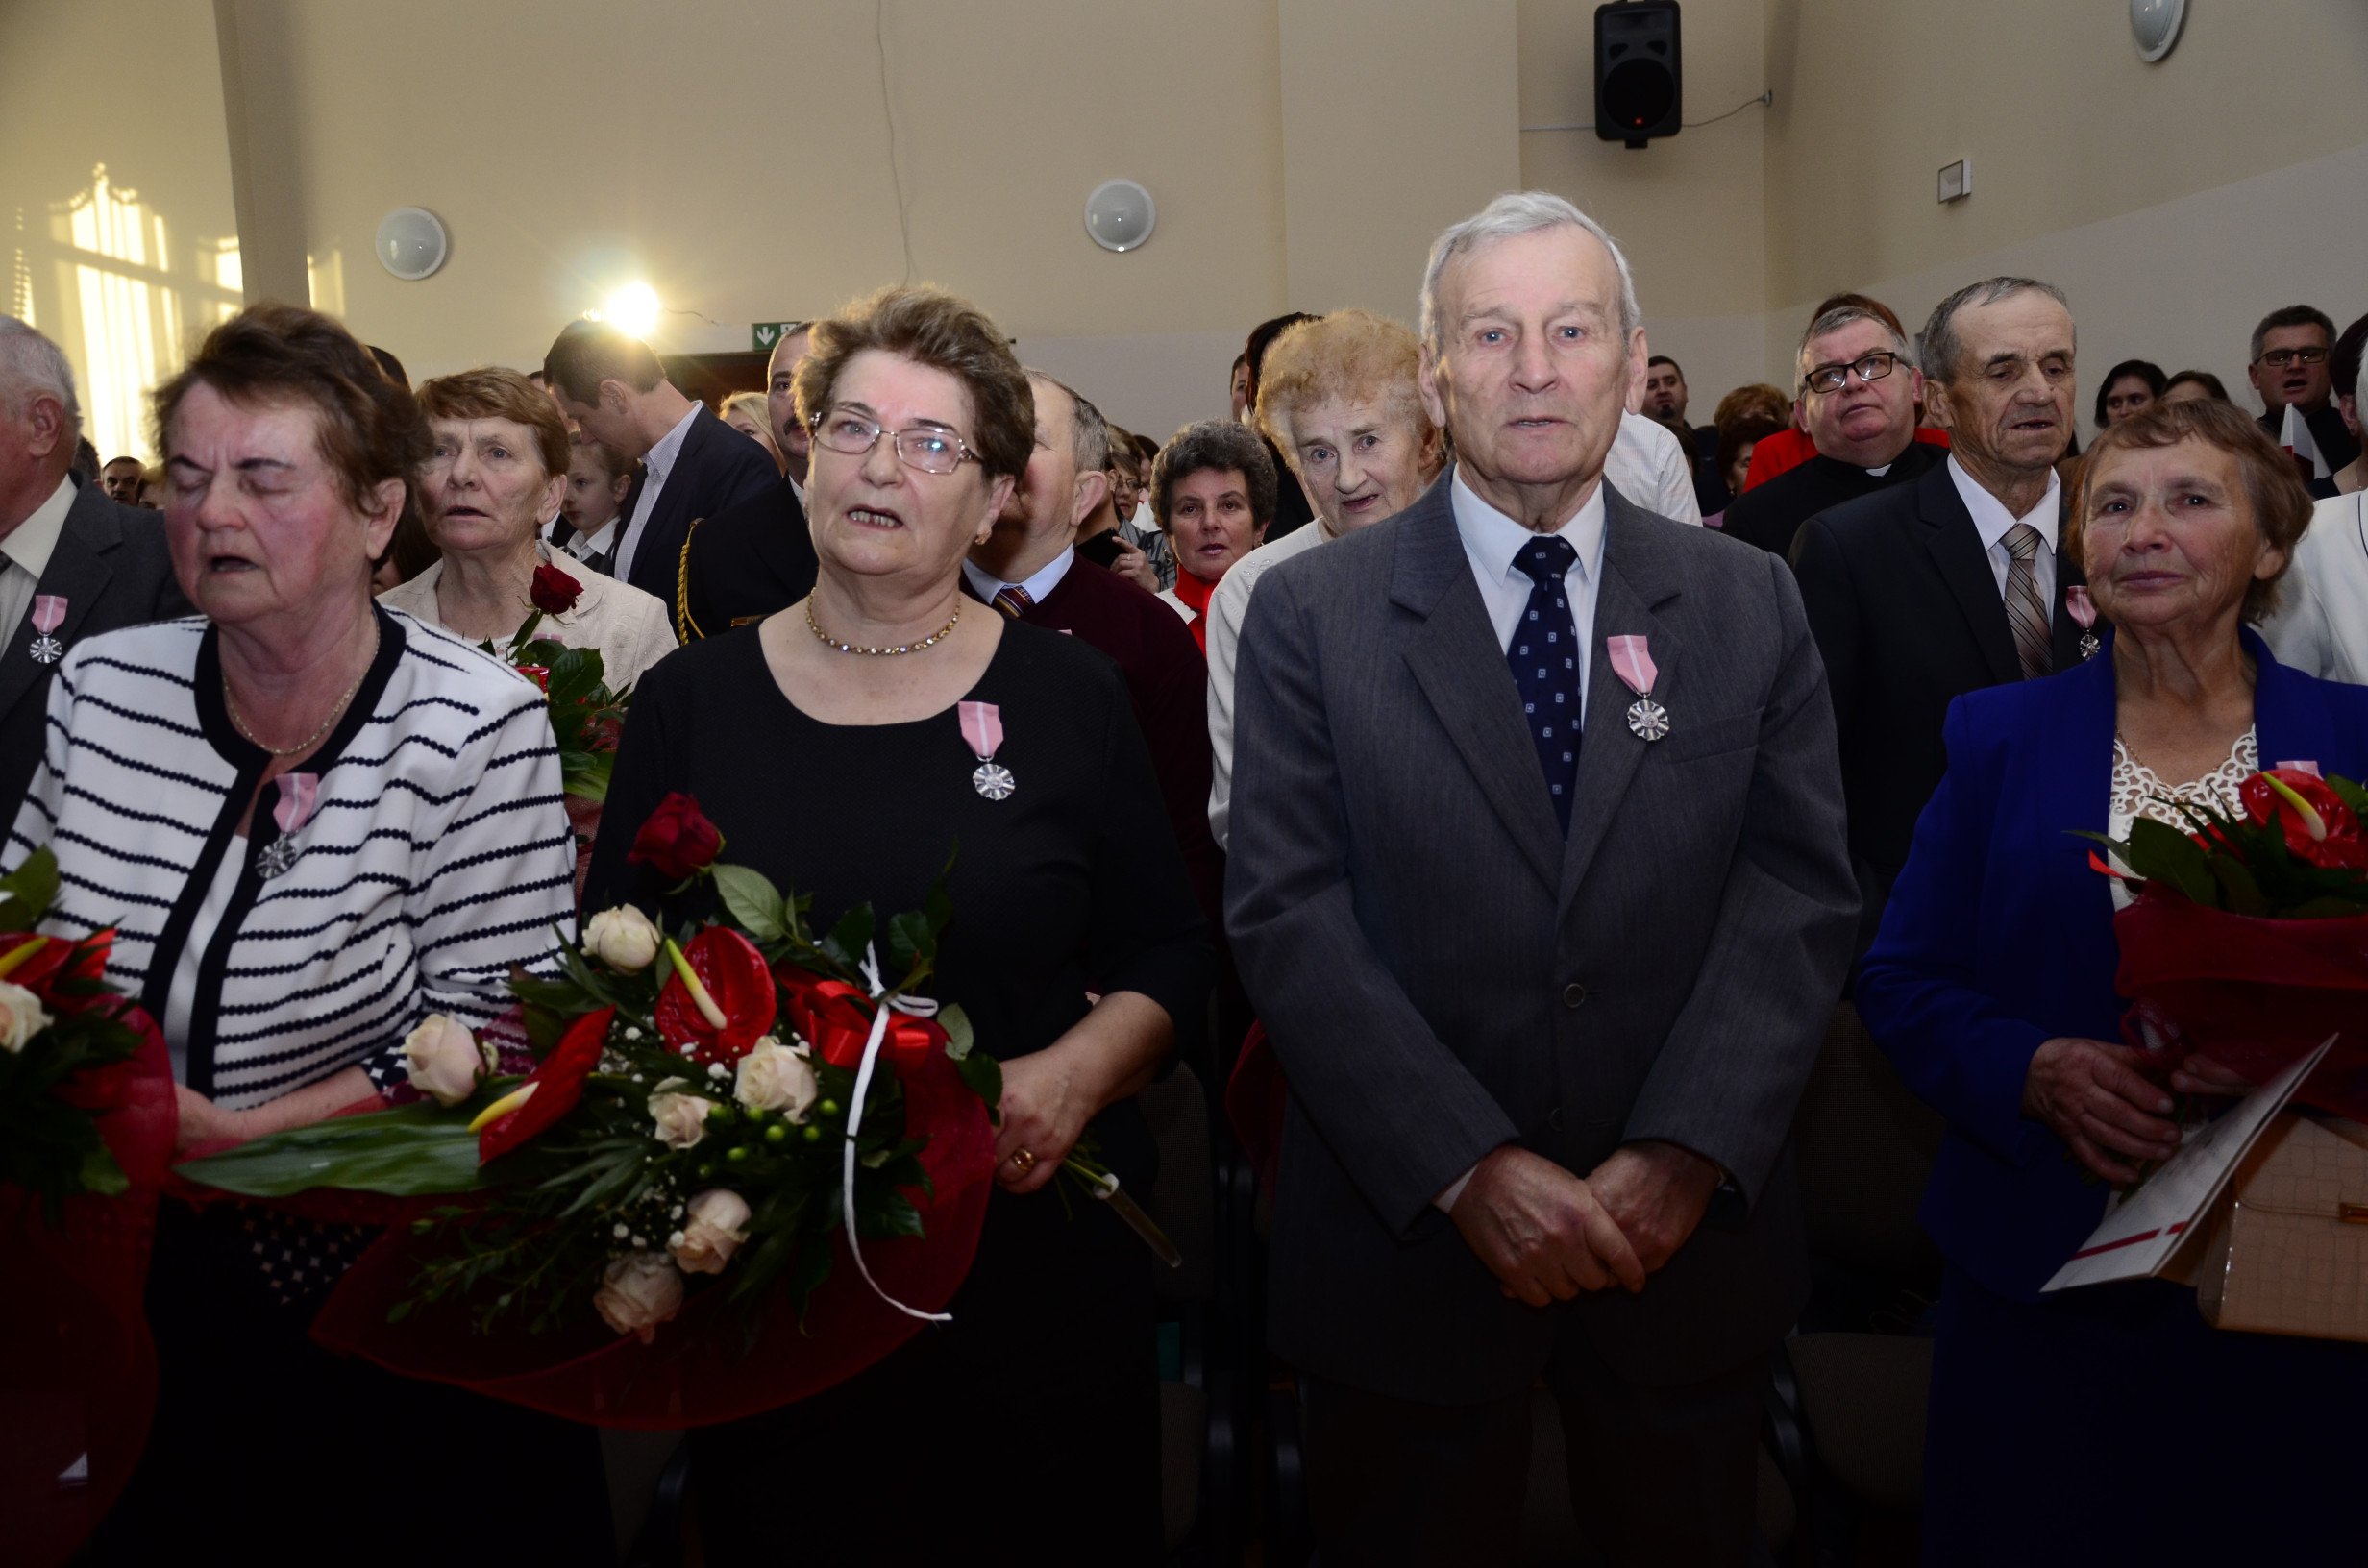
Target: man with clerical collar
1028,568
1859,392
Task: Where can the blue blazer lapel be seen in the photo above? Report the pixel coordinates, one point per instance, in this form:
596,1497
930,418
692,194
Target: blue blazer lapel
1454,658
2291,718
1637,578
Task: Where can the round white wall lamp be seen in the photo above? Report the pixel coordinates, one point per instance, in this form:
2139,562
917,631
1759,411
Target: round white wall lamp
2155,24
1120,215
411,243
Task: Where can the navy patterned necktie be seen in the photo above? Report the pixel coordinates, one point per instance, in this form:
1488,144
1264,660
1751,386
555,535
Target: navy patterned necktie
1544,657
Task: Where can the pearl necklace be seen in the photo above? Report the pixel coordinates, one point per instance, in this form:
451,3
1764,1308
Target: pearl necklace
310,741
931,641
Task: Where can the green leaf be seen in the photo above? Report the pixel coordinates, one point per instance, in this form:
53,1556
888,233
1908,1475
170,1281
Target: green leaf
751,901
850,939
2244,894
2350,794
2159,850
959,1036
910,940
100,1175
408,1152
984,1075
27,892
2329,908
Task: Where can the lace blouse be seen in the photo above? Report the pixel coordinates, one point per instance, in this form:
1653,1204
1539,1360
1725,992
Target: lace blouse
2139,791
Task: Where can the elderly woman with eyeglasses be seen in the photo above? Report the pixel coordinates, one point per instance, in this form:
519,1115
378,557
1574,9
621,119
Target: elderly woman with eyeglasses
847,746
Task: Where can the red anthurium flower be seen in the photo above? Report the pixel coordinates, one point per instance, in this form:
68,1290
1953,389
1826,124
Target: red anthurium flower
558,1084
2318,827
678,839
53,960
737,980
539,673
553,590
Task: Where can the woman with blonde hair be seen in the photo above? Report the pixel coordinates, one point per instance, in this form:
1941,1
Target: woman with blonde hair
746,412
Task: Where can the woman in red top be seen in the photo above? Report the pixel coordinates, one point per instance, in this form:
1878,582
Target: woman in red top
1212,491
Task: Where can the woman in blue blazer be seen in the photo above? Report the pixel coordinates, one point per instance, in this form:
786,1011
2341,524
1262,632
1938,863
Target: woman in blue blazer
2109,1423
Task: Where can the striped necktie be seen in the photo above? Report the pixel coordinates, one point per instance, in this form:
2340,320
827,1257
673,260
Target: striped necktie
2025,614
1013,601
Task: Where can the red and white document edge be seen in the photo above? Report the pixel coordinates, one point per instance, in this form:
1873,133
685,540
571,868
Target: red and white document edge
2140,1234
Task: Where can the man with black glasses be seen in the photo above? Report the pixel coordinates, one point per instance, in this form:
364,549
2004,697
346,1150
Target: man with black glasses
1859,389
2288,368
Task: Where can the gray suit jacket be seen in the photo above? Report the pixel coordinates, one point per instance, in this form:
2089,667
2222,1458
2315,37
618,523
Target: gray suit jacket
112,570
1442,973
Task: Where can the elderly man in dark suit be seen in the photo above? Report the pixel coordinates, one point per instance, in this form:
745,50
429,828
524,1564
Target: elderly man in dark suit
73,561
1926,591
693,464
1537,880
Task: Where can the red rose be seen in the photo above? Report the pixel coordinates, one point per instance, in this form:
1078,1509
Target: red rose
554,592
558,1084
734,974
2321,830
678,839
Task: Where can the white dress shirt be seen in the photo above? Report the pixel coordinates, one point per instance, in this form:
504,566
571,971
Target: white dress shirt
1650,468
659,460
1227,607
1491,541
986,584
24,555
1991,520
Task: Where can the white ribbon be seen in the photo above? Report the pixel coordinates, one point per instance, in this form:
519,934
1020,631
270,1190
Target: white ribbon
919,1007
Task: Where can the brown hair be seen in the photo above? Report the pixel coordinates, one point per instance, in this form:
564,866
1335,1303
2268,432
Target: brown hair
931,327
613,463
1351,354
1737,433
2280,505
370,429
588,352
1221,445
1759,400
492,392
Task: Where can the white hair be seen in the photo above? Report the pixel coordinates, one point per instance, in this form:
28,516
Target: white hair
1514,213
32,366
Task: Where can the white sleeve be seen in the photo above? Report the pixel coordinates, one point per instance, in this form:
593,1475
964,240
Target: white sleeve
1648,465
1226,608
2303,633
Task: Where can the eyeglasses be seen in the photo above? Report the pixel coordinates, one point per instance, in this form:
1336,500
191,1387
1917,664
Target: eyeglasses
2280,358
1834,378
923,447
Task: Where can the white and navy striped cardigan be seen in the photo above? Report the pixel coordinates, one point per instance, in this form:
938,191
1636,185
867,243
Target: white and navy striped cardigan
437,857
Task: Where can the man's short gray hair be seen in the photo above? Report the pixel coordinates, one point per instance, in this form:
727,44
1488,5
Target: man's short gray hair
1088,432
1841,316
1510,215
1942,348
32,366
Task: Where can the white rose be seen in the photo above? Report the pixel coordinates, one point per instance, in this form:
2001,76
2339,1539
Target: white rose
21,1016
445,1060
777,1077
713,1232
639,1291
622,937
682,1118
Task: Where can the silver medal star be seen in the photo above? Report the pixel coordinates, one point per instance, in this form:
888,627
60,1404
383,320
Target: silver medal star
276,857
1648,719
47,650
993,780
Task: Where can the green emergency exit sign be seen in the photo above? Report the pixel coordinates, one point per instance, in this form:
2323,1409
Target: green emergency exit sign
766,334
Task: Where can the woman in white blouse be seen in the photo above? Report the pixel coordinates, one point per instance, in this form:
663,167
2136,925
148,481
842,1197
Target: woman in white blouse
496,473
312,824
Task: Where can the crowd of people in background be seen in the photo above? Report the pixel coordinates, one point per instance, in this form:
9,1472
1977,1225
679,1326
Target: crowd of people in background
1548,833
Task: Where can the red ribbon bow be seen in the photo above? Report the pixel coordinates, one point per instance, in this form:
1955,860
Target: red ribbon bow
835,1019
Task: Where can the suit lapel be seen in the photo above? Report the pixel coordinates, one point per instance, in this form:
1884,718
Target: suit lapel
1455,659
1956,548
77,573
2066,632
1637,577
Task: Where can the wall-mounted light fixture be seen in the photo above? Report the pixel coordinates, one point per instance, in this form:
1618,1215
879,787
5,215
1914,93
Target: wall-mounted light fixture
411,243
1120,215
2155,25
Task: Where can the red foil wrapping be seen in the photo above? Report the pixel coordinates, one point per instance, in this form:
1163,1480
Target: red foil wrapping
715,1361
2253,994
78,1370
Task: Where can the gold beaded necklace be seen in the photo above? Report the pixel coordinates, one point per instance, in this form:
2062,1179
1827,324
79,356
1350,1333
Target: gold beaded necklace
931,641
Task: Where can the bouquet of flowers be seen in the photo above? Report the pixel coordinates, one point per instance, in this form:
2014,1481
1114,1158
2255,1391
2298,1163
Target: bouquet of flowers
718,1114
2247,937
87,1127
586,715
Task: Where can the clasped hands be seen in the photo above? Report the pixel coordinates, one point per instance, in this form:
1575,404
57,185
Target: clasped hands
1548,1235
2098,1100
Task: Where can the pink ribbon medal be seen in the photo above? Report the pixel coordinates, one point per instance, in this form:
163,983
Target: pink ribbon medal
1632,662
299,795
48,615
2084,609
982,726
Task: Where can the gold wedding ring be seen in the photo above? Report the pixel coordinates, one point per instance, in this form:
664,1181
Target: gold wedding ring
1025,1161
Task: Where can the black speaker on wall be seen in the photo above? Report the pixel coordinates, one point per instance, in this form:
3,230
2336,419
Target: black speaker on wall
1640,74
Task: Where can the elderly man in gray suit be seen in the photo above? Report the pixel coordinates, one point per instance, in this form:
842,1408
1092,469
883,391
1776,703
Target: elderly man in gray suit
1539,882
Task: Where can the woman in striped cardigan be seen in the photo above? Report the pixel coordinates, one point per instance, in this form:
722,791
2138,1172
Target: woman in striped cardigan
311,823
